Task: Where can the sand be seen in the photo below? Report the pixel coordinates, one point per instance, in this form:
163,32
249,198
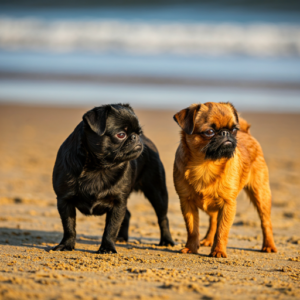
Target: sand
30,224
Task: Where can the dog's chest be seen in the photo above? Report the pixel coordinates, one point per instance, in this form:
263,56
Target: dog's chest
209,185
203,176
98,207
97,193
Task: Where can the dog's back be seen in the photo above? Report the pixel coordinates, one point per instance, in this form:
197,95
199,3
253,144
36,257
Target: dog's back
69,162
149,169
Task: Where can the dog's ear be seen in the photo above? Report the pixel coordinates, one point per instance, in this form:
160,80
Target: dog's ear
127,105
96,118
186,118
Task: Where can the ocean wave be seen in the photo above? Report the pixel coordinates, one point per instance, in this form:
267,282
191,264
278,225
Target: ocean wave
138,37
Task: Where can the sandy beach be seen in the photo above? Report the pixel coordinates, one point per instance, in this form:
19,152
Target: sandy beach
30,223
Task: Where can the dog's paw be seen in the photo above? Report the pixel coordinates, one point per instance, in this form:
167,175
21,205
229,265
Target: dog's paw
122,239
218,254
166,242
269,249
107,251
123,235
188,250
206,242
63,247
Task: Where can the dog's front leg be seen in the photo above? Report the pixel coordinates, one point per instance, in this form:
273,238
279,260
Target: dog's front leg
67,213
113,222
225,220
191,217
123,233
208,240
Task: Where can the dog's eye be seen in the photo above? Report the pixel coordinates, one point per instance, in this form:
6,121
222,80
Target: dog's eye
121,135
209,132
234,131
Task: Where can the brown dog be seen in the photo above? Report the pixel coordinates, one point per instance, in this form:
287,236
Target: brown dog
216,159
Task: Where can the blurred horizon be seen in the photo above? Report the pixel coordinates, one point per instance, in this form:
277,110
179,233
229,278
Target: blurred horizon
152,54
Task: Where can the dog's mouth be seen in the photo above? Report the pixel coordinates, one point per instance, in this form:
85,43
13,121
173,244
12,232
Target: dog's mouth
135,151
131,151
224,148
227,143
137,148
133,147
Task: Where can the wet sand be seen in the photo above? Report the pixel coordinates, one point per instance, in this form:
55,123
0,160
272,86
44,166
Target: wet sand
30,224
152,80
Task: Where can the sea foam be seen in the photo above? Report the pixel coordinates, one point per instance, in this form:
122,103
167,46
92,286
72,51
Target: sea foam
140,37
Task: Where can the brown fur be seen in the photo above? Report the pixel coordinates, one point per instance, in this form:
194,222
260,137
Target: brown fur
213,185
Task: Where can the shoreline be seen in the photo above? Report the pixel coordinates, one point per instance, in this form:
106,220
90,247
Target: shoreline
152,80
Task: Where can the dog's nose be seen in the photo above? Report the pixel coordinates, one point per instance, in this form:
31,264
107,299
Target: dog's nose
133,137
225,133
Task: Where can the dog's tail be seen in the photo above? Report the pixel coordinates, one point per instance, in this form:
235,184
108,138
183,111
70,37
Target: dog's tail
244,125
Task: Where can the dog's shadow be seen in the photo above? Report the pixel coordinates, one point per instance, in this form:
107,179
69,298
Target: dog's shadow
28,238
245,249
39,239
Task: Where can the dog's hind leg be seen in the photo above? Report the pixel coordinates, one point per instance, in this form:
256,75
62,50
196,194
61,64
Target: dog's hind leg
123,233
258,190
159,202
262,202
155,191
67,213
260,195
208,240
153,184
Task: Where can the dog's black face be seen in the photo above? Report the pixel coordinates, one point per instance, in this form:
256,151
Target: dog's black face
92,173
222,144
112,133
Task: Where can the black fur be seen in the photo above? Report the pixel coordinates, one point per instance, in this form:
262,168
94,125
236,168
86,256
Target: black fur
95,172
217,149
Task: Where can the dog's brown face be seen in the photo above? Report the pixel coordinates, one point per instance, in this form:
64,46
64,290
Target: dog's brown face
210,128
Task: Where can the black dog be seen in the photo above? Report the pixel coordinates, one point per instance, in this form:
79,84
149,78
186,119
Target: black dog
104,159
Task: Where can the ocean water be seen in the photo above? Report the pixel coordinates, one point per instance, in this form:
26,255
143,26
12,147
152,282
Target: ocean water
144,96
209,44
166,66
